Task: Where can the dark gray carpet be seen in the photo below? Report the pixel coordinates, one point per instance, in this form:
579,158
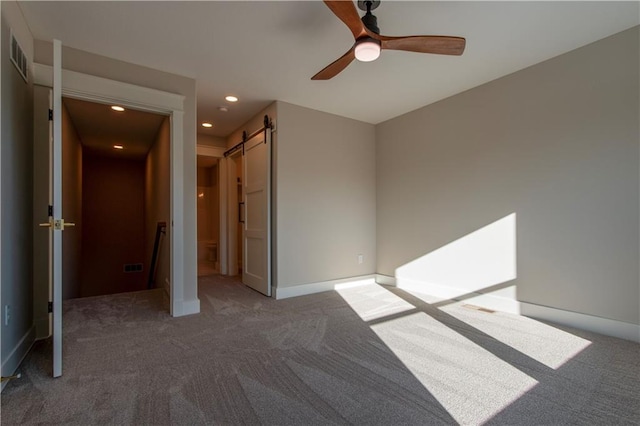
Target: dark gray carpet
366,355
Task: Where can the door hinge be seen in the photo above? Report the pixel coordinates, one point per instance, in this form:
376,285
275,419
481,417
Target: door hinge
50,115
50,211
50,307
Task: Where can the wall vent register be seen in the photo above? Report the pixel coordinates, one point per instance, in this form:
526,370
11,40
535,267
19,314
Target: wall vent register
133,267
18,57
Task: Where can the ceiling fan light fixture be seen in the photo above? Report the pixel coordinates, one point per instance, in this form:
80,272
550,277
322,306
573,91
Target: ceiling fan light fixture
367,49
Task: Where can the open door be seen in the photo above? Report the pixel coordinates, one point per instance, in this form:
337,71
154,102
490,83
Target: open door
56,223
256,259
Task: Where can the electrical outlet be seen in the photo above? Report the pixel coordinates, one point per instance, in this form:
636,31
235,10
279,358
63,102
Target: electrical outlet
360,258
7,314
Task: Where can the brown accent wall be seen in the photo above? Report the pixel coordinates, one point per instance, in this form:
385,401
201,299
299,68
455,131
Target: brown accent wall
113,225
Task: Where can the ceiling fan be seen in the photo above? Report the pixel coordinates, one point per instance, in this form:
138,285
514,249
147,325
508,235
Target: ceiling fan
369,42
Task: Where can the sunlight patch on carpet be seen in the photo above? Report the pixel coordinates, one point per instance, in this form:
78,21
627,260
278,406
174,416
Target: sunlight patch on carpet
371,301
471,383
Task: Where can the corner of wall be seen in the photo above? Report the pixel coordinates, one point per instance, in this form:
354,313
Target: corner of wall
11,362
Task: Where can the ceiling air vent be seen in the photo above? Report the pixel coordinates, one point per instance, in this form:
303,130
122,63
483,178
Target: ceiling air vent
18,57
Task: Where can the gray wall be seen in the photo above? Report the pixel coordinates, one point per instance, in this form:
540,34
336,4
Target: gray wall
40,214
325,187
16,156
557,144
209,140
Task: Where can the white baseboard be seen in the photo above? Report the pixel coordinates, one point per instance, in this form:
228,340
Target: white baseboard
181,308
609,327
319,287
385,280
491,301
185,307
190,307
11,363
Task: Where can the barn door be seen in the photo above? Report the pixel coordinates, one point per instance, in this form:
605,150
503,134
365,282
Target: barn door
256,213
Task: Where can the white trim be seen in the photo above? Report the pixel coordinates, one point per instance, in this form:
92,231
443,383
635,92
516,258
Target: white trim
190,307
485,300
319,287
98,89
269,163
222,199
210,151
176,240
11,363
84,86
609,327
385,280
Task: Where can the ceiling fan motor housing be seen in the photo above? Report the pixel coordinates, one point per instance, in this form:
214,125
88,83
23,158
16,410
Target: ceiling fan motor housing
371,22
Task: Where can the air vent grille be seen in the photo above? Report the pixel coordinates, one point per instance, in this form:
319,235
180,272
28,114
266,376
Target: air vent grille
133,267
479,308
18,57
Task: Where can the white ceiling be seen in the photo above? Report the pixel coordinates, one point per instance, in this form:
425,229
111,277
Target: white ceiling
99,128
265,51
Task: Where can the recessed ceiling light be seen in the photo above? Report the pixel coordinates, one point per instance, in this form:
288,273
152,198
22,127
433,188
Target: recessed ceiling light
207,125
118,147
117,108
231,98
223,109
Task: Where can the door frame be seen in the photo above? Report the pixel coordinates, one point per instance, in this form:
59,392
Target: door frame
101,90
233,212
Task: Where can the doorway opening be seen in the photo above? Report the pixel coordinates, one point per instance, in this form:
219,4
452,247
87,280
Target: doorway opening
116,189
236,217
208,216
241,183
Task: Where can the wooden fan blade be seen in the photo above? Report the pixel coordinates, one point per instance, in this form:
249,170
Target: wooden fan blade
336,66
442,45
347,13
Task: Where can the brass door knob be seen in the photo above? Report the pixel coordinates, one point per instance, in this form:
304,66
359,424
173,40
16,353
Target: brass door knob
57,224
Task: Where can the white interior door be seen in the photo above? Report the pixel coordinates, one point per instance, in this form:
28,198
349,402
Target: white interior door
256,259
56,223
